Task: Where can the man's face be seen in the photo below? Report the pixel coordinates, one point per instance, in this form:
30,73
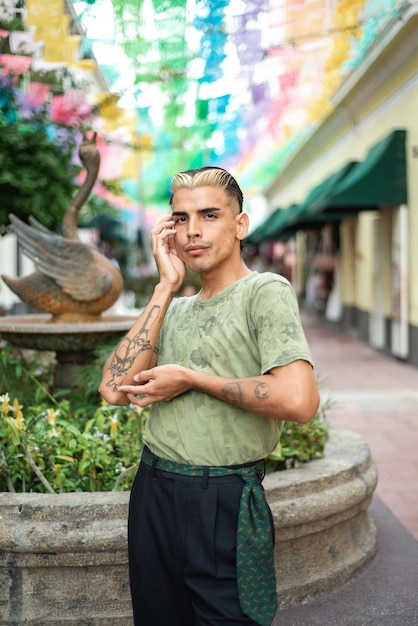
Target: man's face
209,227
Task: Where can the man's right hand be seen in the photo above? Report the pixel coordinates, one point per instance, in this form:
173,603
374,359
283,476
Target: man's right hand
170,267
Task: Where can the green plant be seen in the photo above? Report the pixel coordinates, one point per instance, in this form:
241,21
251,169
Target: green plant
36,173
142,287
300,443
79,443
26,374
10,23
67,441
44,448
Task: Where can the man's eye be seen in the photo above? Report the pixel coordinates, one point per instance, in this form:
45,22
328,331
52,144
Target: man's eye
180,220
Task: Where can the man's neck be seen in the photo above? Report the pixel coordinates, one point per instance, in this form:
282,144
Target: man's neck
213,284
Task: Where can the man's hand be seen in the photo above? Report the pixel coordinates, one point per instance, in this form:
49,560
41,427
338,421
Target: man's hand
159,384
170,267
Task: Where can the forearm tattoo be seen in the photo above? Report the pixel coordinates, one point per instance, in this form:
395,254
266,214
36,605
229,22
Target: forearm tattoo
234,392
129,349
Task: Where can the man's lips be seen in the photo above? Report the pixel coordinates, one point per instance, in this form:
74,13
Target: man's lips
195,248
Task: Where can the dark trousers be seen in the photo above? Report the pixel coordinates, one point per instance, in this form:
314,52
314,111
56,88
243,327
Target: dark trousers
182,549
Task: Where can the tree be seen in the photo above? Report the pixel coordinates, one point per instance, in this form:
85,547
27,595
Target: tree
36,175
37,169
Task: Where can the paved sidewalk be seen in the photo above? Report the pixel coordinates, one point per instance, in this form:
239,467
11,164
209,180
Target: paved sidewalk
377,396
385,593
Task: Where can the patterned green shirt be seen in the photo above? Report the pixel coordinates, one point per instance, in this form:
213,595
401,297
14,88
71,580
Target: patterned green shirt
245,330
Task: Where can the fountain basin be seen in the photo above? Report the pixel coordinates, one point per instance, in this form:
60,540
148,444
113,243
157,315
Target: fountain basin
38,332
72,343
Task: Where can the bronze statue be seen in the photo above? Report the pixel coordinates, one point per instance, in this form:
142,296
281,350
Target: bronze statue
73,281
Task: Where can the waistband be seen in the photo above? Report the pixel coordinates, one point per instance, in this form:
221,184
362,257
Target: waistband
254,470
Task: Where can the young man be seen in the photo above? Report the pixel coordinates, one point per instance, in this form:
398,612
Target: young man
222,369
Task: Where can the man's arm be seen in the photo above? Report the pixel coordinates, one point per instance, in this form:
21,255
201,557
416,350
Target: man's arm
287,393
136,351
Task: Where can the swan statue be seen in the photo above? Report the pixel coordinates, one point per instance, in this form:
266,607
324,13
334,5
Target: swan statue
73,281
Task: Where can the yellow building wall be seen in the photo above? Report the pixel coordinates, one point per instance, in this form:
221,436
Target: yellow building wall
393,107
363,279
386,269
348,231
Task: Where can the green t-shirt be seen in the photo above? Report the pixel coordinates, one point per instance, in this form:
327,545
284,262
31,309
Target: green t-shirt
245,330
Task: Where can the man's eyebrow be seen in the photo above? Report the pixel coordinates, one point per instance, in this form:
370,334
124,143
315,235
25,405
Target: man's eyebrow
204,210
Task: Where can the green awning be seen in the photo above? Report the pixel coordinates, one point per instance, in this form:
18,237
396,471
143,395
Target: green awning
300,216
314,222
283,220
327,186
378,180
262,231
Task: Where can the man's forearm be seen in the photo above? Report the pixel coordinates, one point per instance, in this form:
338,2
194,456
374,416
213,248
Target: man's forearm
288,392
136,351
251,394
276,395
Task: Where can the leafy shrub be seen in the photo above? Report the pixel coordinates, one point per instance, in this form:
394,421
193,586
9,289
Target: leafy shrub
79,443
44,448
36,162
67,441
300,443
25,374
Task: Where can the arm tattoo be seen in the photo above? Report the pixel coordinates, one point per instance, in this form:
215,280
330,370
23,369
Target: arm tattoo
129,349
262,391
233,392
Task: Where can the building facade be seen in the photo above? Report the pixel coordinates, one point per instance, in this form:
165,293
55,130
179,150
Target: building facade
357,178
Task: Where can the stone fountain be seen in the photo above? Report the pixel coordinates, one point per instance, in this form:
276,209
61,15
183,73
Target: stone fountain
72,286
72,343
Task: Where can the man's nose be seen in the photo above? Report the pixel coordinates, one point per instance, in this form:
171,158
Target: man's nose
193,231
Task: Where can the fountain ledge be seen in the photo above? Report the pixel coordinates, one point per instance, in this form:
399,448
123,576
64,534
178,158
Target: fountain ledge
38,332
63,558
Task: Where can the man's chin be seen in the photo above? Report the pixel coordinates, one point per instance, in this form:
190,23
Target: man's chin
197,266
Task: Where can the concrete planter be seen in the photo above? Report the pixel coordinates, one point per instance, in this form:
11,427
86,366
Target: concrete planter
63,558
324,533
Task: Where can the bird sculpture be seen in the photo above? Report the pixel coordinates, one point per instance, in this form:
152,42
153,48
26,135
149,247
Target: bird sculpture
73,281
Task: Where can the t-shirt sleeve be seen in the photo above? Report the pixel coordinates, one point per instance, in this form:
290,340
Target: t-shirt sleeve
275,315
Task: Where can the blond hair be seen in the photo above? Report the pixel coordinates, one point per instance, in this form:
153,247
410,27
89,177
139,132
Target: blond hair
207,176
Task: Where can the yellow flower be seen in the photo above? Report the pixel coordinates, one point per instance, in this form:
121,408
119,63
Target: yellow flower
19,420
4,399
64,457
57,468
16,405
51,417
17,410
114,425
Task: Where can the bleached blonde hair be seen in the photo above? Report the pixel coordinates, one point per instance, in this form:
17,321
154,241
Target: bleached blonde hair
208,176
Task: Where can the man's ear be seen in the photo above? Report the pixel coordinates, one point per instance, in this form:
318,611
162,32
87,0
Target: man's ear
243,224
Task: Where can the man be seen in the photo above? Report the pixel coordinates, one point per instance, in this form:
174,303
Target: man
222,369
